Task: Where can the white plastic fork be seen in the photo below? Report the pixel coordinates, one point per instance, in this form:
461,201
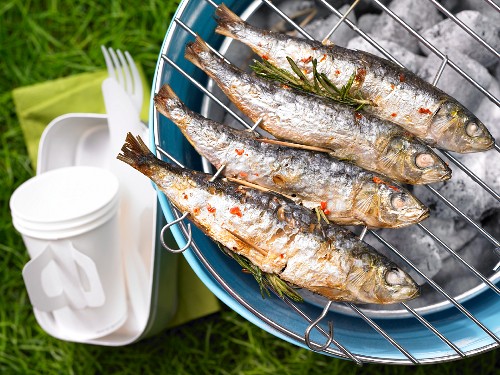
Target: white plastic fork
123,68
123,97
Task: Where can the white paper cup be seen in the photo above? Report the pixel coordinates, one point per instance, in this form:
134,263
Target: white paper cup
68,220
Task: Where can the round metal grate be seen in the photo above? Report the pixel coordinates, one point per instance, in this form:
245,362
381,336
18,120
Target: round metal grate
452,326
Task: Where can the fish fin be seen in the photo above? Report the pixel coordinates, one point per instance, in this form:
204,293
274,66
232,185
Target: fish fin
166,101
135,153
388,160
226,21
363,204
193,49
294,145
356,278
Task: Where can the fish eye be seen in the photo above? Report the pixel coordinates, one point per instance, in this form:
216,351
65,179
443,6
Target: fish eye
424,160
398,201
394,276
473,130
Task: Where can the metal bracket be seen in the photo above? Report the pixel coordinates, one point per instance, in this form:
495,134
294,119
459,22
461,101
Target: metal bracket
314,324
167,226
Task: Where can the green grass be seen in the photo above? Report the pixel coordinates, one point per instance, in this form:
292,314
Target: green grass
42,40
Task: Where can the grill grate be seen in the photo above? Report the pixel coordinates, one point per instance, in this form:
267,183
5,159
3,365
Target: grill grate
169,60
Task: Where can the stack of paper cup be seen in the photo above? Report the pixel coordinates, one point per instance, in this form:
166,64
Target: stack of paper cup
68,220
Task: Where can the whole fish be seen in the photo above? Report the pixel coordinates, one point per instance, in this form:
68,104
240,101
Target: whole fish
371,143
277,235
347,194
398,94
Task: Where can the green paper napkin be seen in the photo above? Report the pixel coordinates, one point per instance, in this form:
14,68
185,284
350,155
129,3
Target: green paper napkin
38,105
194,300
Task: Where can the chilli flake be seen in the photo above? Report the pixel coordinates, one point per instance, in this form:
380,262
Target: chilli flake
236,211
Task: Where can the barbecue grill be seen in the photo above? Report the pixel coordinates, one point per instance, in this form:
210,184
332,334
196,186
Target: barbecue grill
450,327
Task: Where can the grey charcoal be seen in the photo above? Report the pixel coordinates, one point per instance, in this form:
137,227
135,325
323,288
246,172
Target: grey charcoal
453,83
452,232
319,28
419,14
367,21
491,178
415,245
493,181
452,271
292,9
479,254
489,113
410,60
451,5
482,7
448,35
458,190
367,6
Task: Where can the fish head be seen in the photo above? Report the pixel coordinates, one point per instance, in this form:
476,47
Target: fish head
395,285
383,282
408,160
388,205
457,129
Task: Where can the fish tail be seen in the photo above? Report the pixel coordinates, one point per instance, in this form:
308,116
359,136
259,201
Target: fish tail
193,51
227,22
135,153
215,66
166,102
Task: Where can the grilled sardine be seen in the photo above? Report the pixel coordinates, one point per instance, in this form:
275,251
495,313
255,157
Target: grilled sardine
371,143
277,235
399,95
347,194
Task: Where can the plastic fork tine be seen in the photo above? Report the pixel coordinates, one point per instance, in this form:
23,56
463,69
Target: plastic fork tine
118,75
137,93
122,67
128,85
109,62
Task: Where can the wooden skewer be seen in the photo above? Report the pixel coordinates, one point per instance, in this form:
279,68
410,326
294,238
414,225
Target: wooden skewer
294,145
258,187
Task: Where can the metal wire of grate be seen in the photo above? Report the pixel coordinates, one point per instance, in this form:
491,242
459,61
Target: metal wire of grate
340,350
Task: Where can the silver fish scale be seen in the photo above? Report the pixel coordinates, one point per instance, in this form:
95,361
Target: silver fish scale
172,61
261,163
257,217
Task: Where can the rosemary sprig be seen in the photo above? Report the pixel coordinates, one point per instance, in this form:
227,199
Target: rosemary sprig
319,84
265,280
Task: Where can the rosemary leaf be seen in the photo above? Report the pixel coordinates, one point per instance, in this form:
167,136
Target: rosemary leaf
297,70
315,75
282,288
268,71
319,84
266,281
347,88
328,85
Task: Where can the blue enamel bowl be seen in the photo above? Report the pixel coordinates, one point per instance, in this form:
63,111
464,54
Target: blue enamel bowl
240,291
